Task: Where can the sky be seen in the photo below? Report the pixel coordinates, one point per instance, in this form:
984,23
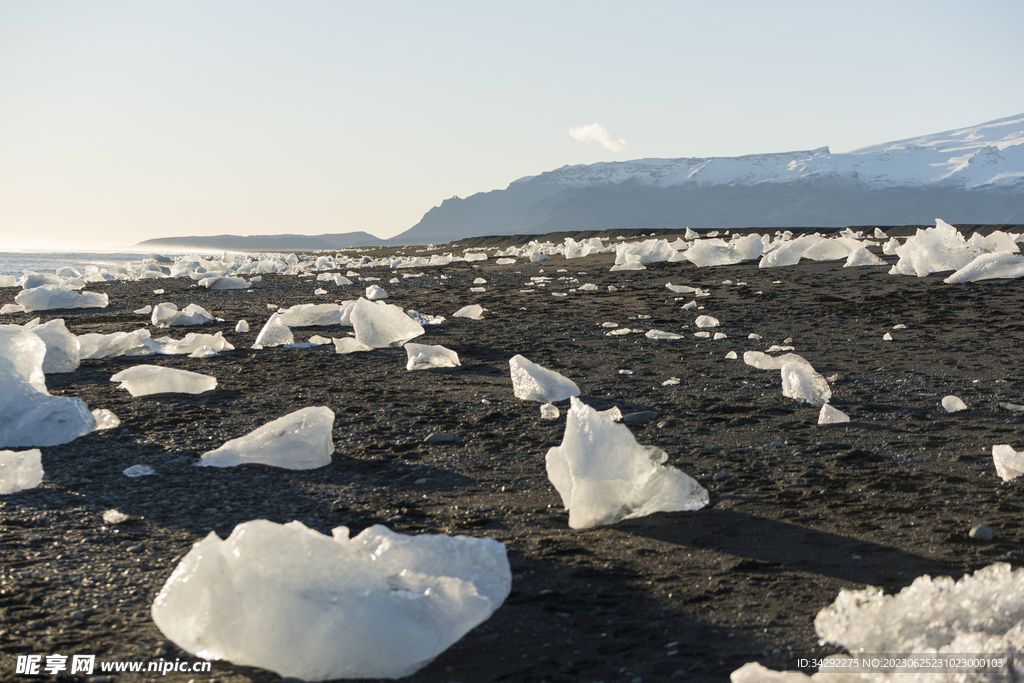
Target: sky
122,121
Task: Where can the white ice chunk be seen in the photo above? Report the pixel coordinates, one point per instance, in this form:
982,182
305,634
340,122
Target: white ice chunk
549,411
224,282
731,355
603,475
114,517
105,419
308,606
680,289
143,380
762,361
473,311
932,250
189,344
29,416
8,281
20,470
373,292
167,315
998,265
830,415
661,334
953,404
309,315
274,333
426,356
145,310
241,326
704,321
11,308
378,324
139,471
531,382
63,351
349,345
801,382
1009,463
112,345
48,297
862,257
298,441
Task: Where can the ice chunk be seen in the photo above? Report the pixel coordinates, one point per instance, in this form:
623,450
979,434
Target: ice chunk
143,380
63,351
953,404
1009,463
48,297
274,333
373,292
139,471
549,411
531,382
20,470
29,416
731,355
308,315
167,315
998,265
680,289
145,310
192,342
830,415
241,326
932,250
114,344
298,441
426,356
8,281
704,321
603,475
349,345
801,382
473,311
721,335
105,419
862,257
311,607
114,517
11,308
660,334
224,282
378,324
763,361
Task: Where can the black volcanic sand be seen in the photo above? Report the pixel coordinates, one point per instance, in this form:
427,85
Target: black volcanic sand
798,511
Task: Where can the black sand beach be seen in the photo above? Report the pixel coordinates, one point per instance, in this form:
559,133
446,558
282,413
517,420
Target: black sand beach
798,511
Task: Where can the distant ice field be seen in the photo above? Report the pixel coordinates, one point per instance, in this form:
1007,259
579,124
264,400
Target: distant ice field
14,262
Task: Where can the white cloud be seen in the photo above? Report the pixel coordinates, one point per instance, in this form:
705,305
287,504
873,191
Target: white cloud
595,132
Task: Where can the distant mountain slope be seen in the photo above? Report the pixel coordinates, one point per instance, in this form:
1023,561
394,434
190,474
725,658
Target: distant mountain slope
264,242
968,175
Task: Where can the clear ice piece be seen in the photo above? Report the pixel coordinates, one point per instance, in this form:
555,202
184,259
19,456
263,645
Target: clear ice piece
298,441
427,356
143,380
531,382
20,470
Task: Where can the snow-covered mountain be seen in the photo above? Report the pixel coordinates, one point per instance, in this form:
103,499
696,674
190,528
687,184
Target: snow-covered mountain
968,175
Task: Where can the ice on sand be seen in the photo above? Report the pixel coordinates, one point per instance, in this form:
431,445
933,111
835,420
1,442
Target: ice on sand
801,382
189,344
1009,463
663,335
143,380
373,292
603,475
762,361
105,419
549,411
48,297
953,404
20,470
274,333
531,382
348,345
168,315
998,265
241,326
314,607
297,441
703,321
113,344
473,311
427,356
29,416
830,415
862,257
63,350
379,324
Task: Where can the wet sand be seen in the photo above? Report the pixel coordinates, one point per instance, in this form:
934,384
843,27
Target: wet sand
798,511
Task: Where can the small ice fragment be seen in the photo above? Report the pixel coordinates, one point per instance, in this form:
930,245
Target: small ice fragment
241,326
671,381
318,340
763,361
20,470
428,356
625,372
158,291
613,414
559,294
886,337
706,321
901,326
953,404
702,335
473,311
145,310
139,471
373,293
478,289
603,475
143,380
298,441
12,308
609,324
660,334
981,533
755,337
619,332
203,352
720,335
549,411
787,340
105,419
731,355
801,382
273,307
349,345
1009,463
114,517
680,289
589,287
318,292
531,382
830,415
479,281
1015,407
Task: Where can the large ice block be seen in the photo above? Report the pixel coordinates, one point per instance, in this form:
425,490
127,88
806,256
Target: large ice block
143,380
298,441
20,470
379,324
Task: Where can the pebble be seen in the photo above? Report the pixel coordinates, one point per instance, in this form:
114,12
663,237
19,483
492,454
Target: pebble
981,533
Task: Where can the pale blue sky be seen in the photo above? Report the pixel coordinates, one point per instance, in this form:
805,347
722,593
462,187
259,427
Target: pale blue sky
126,120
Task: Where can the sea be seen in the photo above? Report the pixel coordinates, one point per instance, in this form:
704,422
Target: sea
14,262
